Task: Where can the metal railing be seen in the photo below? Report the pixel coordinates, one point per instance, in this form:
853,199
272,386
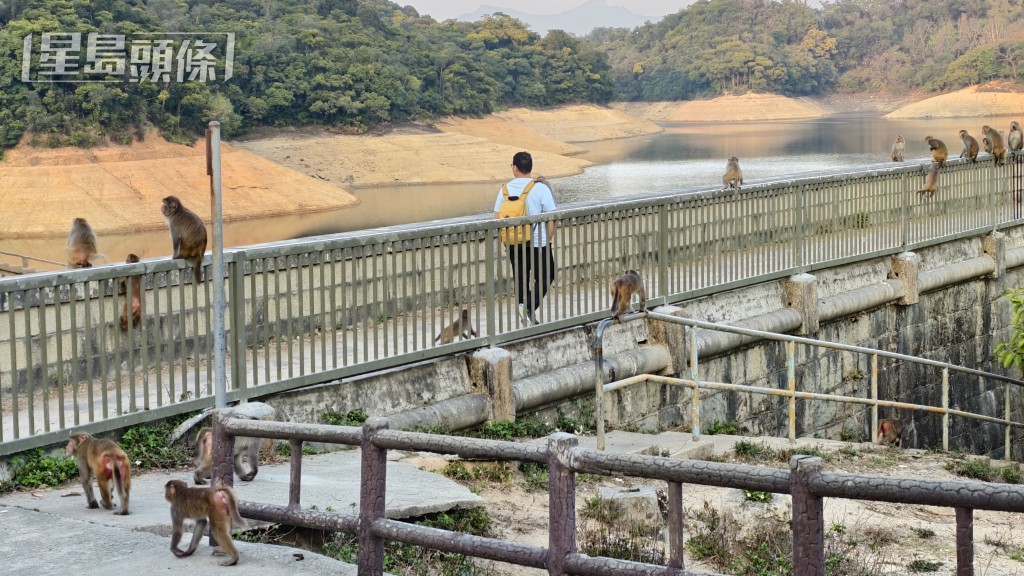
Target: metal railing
790,393
806,482
25,260
330,307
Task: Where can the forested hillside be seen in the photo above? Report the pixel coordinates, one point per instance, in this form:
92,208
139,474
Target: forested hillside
353,64
345,63
718,46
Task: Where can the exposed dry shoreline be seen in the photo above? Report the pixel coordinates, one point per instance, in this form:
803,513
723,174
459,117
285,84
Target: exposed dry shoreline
119,188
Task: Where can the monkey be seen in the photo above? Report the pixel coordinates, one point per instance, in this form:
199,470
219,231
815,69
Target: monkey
998,149
970,146
733,177
986,144
459,328
246,449
1015,140
897,149
216,504
81,244
939,151
188,234
105,460
892,431
133,298
931,181
623,288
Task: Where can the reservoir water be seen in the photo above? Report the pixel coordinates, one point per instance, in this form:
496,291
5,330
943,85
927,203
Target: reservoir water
683,156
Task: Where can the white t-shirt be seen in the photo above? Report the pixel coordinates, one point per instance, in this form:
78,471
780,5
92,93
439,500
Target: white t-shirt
538,201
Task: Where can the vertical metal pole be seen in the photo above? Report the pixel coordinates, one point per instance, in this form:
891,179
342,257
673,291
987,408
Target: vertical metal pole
695,433
874,396
1006,416
372,495
676,542
808,518
599,380
945,408
964,542
562,513
791,378
219,303
798,237
295,480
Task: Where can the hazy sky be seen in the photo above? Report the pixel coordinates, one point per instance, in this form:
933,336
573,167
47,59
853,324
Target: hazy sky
445,9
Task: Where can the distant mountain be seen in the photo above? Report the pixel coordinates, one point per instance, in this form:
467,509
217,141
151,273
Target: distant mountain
578,21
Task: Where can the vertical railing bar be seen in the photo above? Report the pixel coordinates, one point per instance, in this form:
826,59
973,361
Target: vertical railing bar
182,341
676,542
1007,413
73,371
278,323
964,542
791,379
394,296
207,290
324,258
334,309
491,267
945,409
120,343
695,413
367,304
143,336
44,363
268,323
874,396
196,339
300,293
289,323
295,476
15,404
347,277
101,301
562,509
167,342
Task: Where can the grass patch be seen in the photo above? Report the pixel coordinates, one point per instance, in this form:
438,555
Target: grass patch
924,566
351,418
148,445
606,530
981,469
34,469
413,560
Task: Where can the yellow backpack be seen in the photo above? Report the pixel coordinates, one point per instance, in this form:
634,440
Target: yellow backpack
512,207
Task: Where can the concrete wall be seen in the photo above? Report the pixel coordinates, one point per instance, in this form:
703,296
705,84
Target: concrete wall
946,303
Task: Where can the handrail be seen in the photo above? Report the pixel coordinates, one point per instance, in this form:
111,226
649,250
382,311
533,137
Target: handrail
806,482
791,393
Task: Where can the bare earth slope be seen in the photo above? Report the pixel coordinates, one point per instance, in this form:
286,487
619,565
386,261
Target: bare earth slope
119,189
996,99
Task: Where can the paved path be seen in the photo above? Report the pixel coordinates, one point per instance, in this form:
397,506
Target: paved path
50,531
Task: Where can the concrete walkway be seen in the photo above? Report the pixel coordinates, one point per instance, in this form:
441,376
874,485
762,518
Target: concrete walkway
51,532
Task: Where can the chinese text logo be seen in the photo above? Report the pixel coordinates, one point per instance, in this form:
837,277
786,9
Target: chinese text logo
141,57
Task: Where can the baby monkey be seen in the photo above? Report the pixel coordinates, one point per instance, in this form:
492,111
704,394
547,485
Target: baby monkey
893,431
460,327
216,504
133,297
623,288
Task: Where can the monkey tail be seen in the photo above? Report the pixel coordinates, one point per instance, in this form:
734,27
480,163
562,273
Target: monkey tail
232,502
